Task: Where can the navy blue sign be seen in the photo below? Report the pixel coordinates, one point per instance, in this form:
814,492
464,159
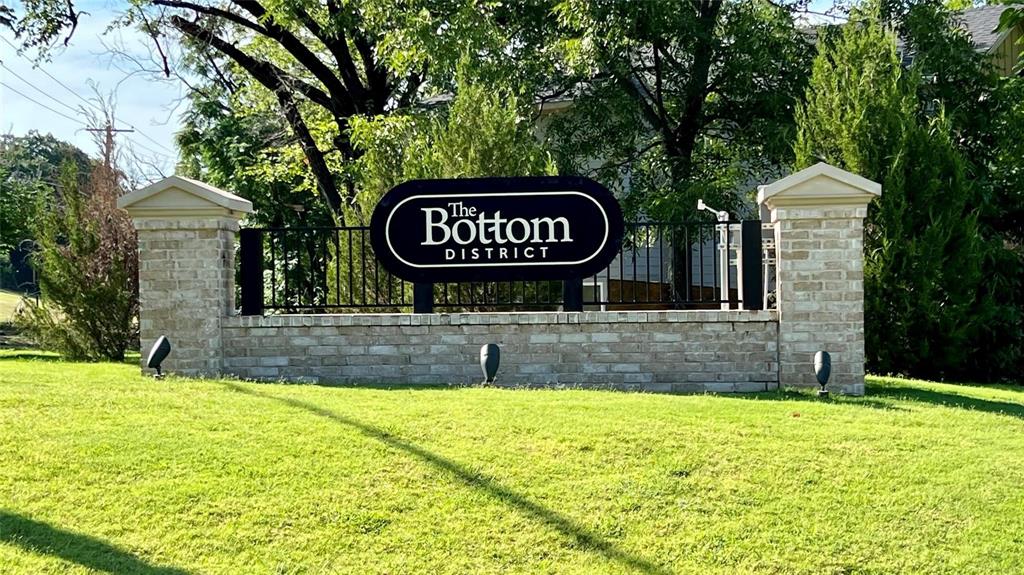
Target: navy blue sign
496,229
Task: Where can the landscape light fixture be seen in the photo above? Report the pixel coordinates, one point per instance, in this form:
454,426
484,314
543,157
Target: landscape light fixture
490,357
822,370
160,350
722,215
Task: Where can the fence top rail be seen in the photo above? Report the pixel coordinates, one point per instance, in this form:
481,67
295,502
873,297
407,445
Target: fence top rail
628,223
310,228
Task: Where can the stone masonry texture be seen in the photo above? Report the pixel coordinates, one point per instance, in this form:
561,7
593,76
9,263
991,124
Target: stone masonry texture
186,288
820,282
187,292
657,351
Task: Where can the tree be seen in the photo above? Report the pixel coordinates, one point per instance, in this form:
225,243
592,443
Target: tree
87,265
682,96
481,132
680,101
30,167
29,170
924,253
319,64
986,116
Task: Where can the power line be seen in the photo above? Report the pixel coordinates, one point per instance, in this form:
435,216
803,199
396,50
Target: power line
144,135
38,89
38,103
150,150
43,70
77,95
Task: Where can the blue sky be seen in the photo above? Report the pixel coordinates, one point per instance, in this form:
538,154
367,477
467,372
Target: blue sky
152,107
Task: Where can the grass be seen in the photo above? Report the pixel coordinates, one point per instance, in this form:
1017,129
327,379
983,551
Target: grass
9,303
103,470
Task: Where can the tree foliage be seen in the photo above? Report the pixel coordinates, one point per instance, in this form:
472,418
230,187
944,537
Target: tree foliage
926,306
481,132
986,116
316,65
30,167
682,99
87,264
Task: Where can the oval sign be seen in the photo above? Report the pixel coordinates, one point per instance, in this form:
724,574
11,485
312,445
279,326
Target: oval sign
496,229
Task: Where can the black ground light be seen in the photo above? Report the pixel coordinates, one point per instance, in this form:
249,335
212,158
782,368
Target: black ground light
160,350
490,357
822,370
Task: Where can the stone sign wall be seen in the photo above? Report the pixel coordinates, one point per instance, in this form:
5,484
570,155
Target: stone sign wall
186,261
657,351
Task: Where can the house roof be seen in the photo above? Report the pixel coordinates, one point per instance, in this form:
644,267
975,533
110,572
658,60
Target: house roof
981,24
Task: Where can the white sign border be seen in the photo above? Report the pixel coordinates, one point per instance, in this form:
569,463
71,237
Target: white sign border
604,241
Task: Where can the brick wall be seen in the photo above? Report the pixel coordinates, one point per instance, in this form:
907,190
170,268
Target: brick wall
186,260
657,351
186,288
820,282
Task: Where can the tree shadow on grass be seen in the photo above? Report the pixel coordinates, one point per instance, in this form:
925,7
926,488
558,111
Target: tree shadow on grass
947,399
29,354
87,551
810,396
580,535
883,396
24,354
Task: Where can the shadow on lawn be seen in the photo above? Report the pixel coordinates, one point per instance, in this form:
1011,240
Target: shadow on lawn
947,399
879,397
84,550
811,397
131,358
31,354
582,536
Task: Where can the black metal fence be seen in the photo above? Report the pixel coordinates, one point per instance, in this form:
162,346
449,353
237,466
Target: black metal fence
661,265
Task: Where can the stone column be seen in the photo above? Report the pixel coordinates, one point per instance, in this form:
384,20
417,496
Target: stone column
186,269
818,215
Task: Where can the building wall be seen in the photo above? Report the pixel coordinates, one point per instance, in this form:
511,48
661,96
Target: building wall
1006,55
654,263
656,351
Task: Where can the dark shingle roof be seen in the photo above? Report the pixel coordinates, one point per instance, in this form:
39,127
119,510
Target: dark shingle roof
981,23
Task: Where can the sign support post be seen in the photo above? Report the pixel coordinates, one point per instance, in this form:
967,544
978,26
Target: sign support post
751,265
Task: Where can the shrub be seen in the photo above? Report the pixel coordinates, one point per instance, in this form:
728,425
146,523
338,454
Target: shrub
87,267
925,306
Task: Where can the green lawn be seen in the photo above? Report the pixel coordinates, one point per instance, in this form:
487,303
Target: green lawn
103,470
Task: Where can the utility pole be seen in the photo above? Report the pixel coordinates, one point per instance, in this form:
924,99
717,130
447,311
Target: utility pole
109,174
108,142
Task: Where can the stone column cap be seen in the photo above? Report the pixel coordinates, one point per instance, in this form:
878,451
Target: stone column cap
176,197
820,185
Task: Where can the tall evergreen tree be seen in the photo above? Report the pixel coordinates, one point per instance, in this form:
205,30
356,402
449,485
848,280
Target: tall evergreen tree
924,254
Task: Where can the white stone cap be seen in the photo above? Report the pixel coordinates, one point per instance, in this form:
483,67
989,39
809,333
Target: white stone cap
177,196
819,185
